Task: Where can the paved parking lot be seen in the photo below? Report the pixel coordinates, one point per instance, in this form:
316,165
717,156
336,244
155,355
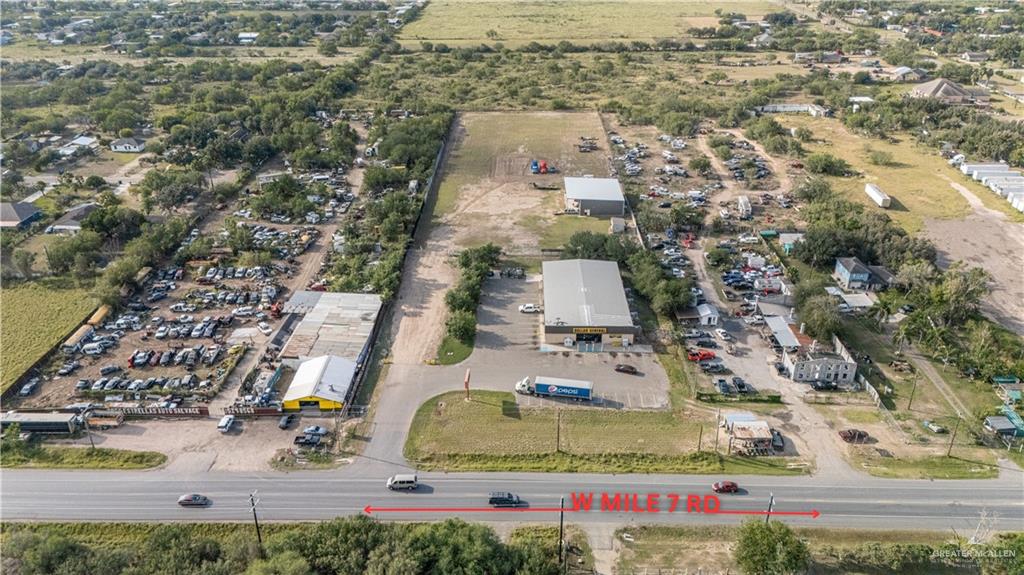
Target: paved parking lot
507,350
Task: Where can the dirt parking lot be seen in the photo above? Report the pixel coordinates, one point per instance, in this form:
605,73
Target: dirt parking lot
988,240
195,445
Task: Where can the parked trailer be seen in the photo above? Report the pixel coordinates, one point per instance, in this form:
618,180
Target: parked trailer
998,185
104,419
41,422
877,195
1005,190
968,168
557,387
981,174
1001,177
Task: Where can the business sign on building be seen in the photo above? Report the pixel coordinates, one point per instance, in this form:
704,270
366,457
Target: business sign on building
589,330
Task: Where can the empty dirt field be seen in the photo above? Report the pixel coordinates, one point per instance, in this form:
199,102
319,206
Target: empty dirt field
487,194
468,22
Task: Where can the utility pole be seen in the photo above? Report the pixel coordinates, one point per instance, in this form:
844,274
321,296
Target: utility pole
558,430
952,438
252,505
771,504
700,436
912,390
88,430
561,529
718,421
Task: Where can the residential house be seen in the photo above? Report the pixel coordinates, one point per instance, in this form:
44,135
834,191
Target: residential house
907,74
247,37
853,274
76,145
764,40
805,57
816,363
948,92
18,215
131,145
71,221
974,57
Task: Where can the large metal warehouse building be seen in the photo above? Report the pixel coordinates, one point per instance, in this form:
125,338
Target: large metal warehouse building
595,196
329,347
585,305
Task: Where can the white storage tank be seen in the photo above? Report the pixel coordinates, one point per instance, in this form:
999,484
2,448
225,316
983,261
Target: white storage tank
877,195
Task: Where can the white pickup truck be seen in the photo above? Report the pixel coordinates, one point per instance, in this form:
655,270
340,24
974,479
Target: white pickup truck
529,308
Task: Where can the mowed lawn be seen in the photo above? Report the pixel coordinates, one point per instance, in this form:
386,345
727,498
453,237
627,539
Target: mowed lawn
491,433
918,182
34,317
467,22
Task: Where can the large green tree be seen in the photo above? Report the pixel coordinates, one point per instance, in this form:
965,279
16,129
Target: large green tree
770,549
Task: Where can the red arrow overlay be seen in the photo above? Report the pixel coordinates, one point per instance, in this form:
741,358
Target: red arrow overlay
812,513
369,509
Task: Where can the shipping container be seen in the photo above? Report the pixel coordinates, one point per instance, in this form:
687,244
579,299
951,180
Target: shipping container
877,195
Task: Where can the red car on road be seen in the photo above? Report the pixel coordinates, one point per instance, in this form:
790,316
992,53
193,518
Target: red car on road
725,487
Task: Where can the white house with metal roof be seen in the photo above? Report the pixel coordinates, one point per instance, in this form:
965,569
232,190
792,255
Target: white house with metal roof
584,302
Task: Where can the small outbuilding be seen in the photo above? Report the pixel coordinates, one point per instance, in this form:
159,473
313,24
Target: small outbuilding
594,196
708,314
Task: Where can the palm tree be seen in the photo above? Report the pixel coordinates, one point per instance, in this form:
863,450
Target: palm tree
881,311
901,336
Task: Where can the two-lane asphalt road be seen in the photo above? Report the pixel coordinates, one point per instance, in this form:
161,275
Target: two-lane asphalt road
151,496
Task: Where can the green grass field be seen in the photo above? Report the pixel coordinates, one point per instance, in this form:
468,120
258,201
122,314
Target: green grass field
709,548
469,22
61,457
445,434
977,464
34,317
917,182
452,351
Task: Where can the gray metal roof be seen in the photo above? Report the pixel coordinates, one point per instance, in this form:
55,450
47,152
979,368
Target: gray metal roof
781,330
335,324
584,293
16,212
607,189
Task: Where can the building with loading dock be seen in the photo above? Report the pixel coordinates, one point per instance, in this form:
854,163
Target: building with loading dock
585,305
